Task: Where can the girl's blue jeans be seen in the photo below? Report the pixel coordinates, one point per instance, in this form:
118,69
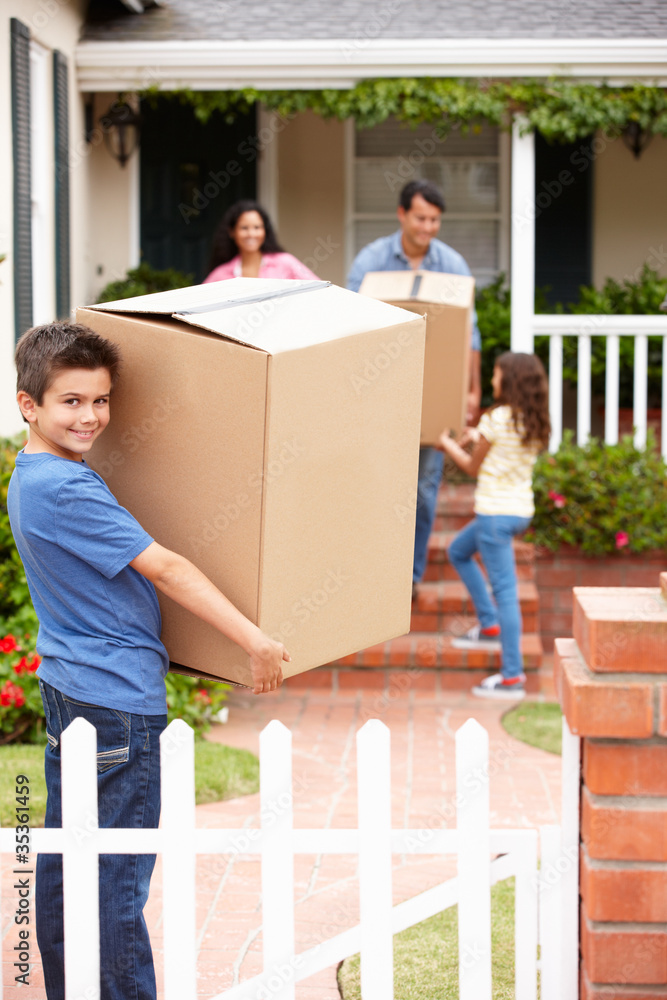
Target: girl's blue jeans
128,788
491,535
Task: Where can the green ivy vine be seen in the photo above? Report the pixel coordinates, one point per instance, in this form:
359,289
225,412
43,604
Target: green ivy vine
563,111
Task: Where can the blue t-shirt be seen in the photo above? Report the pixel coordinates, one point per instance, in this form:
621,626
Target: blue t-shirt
99,620
387,254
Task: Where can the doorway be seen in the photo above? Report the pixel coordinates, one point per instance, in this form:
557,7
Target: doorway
190,174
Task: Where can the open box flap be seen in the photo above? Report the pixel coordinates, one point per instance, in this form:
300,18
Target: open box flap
420,286
272,315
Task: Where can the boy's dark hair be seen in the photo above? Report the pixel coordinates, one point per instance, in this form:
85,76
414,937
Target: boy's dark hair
426,189
44,351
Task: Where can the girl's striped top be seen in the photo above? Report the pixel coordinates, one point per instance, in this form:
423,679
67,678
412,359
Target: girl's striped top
505,477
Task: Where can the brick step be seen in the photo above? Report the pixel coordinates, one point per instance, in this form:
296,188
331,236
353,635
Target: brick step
455,506
426,651
445,606
438,566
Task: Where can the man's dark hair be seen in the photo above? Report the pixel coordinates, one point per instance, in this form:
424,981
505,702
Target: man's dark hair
45,351
426,189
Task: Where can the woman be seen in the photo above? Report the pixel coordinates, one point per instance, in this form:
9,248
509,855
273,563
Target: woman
245,246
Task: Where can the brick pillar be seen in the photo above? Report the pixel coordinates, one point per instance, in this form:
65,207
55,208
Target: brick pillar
611,679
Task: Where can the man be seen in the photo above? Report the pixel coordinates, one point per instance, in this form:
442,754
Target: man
414,246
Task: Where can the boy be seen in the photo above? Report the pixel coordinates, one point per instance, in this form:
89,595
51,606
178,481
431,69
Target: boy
92,572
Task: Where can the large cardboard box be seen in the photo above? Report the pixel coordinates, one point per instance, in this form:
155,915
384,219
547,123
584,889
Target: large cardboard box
448,302
269,430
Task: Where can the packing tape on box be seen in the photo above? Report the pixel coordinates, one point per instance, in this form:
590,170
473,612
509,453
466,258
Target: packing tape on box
305,286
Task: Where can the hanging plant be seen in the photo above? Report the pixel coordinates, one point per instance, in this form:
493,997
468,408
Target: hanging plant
561,110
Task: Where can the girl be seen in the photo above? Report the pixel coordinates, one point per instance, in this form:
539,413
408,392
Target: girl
245,246
507,441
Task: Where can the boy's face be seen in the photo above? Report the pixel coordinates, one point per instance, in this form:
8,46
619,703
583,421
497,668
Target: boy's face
73,413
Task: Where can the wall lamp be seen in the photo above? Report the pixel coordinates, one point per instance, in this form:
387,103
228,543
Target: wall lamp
636,138
121,126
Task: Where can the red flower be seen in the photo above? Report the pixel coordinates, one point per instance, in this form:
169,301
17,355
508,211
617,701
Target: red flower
27,666
8,644
558,499
622,539
11,694
203,696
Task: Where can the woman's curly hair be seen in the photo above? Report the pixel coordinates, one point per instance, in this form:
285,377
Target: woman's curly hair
224,246
525,390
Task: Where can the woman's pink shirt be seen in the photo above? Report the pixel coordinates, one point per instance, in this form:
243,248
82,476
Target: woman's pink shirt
274,265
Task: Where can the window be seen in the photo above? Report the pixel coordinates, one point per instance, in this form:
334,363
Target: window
470,169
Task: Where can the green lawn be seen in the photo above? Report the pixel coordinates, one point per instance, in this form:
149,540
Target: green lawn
426,955
537,723
220,773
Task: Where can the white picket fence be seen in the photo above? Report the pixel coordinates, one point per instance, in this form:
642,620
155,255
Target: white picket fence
546,897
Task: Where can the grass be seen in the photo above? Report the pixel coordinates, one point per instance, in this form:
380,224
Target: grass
426,955
220,773
537,723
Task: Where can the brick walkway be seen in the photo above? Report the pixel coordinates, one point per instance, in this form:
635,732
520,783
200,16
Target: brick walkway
525,792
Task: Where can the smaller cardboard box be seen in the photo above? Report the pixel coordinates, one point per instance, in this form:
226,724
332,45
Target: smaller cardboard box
448,302
245,436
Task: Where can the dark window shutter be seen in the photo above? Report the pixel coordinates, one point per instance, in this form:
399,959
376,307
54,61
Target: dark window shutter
20,69
61,122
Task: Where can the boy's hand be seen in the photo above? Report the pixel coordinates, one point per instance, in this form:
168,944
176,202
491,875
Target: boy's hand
179,579
266,658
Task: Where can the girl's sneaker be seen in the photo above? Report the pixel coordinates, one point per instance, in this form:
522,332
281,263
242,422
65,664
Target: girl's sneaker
497,686
479,638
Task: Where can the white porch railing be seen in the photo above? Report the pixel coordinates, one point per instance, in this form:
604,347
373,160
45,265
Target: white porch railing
546,898
526,324
584,328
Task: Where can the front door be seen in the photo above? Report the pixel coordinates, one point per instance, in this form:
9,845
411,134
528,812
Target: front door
190,174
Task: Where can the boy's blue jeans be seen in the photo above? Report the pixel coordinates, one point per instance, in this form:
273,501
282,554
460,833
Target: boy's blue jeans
128,787
431,464
491,535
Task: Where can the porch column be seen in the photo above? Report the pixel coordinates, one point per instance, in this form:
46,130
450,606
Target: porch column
523,237
611,679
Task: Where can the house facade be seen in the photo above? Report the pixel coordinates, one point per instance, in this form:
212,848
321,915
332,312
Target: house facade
73,218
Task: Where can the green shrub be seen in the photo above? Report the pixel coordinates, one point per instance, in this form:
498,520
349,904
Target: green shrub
20,701
493,318
16,612
144,280
195,700
601,498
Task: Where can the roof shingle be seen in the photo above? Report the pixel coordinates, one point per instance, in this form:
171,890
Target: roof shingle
247,20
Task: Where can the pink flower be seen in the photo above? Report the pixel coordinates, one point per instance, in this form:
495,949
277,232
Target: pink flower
622,539
558,499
